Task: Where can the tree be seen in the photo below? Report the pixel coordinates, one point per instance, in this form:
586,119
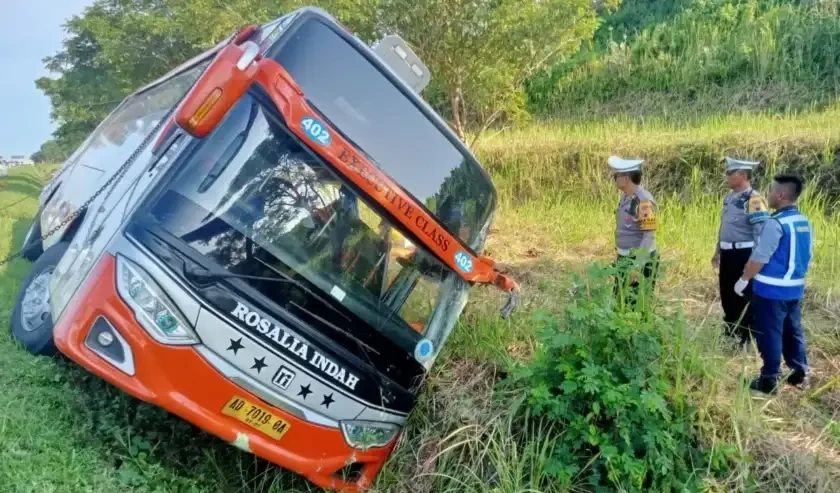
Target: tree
116,46
481,51
52,151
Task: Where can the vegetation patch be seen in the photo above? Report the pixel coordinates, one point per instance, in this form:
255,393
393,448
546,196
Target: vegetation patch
615,382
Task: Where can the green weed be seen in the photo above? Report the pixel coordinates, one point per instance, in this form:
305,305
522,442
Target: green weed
605,375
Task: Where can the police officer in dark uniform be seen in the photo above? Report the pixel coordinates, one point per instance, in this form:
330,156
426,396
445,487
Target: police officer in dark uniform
742,218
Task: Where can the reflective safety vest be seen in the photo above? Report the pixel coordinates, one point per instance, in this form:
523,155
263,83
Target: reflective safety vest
783,276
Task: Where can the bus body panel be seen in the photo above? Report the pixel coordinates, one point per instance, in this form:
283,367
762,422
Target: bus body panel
179,380
216,329
195,381
120,136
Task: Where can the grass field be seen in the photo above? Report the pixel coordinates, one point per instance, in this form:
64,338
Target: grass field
62,430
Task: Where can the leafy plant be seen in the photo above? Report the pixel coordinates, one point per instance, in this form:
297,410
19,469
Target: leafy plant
604,376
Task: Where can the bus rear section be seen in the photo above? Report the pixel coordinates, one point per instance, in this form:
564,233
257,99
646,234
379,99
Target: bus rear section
287,275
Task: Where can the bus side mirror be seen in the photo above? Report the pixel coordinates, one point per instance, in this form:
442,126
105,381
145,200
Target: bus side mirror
225,80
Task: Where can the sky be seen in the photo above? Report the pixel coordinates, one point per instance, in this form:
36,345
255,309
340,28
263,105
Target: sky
29,31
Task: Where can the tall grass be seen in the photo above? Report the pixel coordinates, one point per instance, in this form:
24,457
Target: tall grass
557,206
542,160
700,55
556,175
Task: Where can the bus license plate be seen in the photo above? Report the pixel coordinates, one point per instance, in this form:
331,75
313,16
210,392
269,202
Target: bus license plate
256,417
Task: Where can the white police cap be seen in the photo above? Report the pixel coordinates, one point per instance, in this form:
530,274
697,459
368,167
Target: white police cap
621,165
733,164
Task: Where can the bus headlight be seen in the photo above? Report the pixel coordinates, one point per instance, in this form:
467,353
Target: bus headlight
368,434
152,308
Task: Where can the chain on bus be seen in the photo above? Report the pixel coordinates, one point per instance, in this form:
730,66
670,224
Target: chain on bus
111,181
134,155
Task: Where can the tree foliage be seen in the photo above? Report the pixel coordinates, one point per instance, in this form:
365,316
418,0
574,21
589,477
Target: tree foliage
114,47
479,51
53,151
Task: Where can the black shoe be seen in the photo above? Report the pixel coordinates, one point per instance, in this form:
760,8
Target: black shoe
765,385
799,379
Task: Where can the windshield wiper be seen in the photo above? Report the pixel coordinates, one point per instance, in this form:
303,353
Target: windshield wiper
365,347
204,277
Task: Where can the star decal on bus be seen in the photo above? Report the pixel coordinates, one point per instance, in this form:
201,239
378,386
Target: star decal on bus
259,364
235,345
304,391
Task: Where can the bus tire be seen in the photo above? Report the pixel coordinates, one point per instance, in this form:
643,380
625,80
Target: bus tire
32,323
32,246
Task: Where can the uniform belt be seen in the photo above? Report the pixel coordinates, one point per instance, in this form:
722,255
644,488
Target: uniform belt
725,245
626,251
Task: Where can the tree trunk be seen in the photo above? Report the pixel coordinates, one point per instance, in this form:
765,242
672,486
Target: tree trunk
455,104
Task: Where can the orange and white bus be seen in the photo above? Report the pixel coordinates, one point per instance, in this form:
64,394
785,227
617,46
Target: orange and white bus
273,242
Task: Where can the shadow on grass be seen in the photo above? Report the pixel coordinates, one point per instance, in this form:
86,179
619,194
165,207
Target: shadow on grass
16,270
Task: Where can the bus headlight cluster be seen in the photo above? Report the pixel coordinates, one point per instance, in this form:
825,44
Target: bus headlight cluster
152,308
368,434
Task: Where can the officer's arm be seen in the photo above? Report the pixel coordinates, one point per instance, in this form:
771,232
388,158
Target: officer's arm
767,245
757,228
758,213
646,216
647,244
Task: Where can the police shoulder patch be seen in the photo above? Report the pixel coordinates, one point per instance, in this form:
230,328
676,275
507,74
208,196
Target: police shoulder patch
633,210
646,216
757,209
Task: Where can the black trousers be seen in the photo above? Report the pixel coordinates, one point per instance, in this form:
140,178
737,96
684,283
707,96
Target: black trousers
631,292
737,310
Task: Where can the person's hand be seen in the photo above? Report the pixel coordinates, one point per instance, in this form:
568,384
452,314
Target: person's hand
716,261
740,286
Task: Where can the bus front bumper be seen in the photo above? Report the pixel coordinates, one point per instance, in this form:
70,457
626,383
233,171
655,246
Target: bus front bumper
178,379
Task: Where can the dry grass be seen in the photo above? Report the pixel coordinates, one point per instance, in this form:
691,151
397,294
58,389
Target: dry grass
788,444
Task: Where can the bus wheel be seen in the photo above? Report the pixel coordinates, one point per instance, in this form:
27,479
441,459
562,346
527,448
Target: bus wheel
32,323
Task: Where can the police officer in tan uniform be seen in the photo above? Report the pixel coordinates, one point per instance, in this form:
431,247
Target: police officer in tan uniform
742,218
635,233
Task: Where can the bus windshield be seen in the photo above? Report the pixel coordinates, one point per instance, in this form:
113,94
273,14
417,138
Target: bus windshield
253,199
380,120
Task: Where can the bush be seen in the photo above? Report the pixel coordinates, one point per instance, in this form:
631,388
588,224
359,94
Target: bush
604,378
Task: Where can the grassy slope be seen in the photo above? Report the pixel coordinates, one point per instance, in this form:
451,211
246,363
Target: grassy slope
63,430
555,176
679,58
558,214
